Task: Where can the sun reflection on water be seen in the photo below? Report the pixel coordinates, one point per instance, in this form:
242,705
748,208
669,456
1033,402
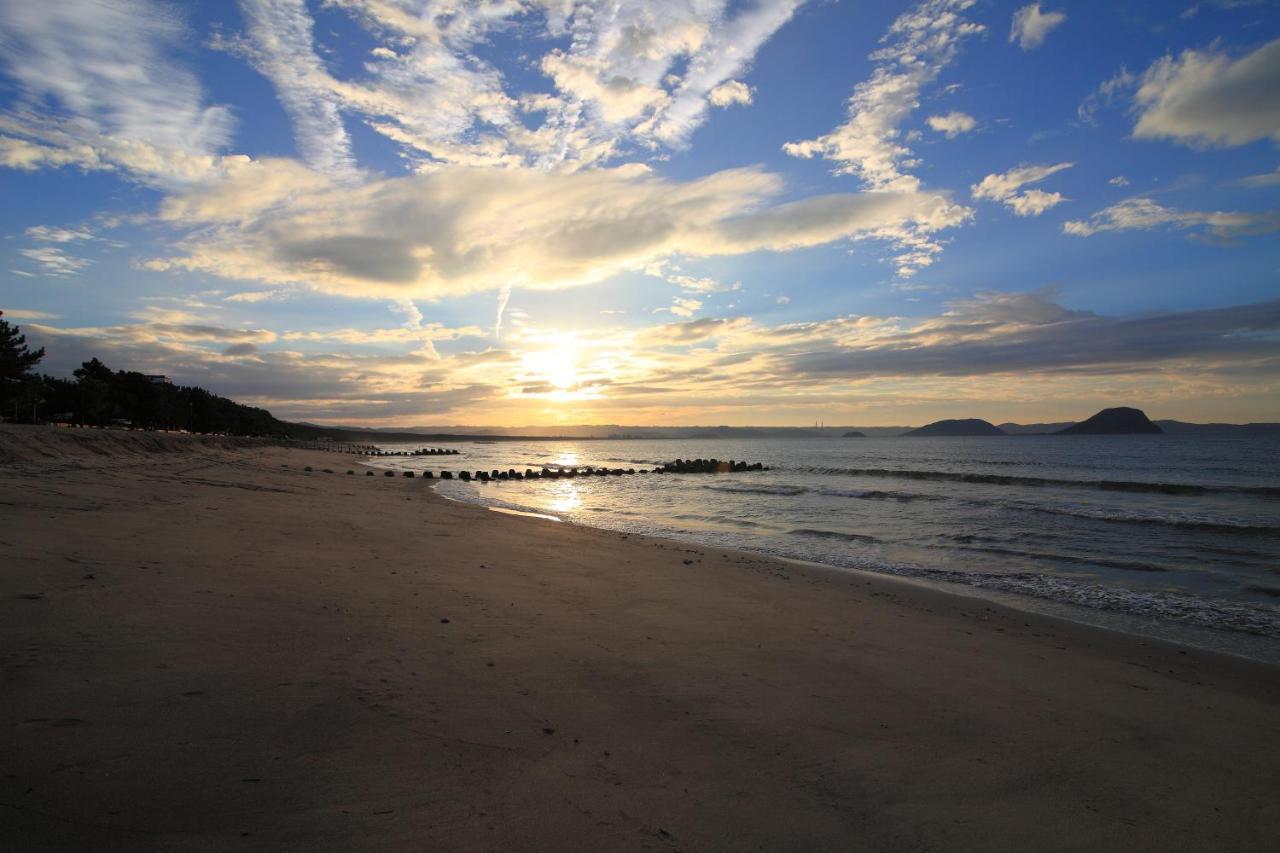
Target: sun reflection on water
565,496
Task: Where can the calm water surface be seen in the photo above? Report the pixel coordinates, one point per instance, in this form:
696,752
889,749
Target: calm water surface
1175,537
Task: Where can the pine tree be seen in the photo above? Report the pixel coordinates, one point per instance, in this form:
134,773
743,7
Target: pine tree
16,362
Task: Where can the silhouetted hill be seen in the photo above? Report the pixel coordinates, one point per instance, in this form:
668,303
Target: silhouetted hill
1121,420
966,426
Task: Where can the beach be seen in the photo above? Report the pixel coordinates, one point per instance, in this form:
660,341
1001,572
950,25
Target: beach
209,647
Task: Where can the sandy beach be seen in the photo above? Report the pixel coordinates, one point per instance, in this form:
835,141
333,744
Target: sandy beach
208,647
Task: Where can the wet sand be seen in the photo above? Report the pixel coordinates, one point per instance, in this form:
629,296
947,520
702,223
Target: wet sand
206,647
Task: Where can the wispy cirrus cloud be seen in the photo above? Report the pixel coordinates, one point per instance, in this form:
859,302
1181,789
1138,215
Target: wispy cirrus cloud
640,75
1108,93
54,261
1266,179
99,91
53,234
919,45
280,45
869,145
1145,214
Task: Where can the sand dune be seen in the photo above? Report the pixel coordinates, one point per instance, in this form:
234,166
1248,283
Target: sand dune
210,648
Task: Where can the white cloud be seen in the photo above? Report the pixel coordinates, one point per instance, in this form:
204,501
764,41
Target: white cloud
412,315
1144,214
919,45
1006,188
1034,202
1031,26
97,89
683,307
241,189
55,261
783,300
1119,181
458,230
1206,98
729,93
664,270
953,123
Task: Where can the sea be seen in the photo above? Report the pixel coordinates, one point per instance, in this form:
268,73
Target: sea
1172,537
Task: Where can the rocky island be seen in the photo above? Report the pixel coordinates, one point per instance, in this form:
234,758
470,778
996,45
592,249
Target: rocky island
957,427
1121,420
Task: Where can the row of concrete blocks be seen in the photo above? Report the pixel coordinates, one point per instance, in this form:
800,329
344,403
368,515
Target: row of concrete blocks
710,466
680,466
426,451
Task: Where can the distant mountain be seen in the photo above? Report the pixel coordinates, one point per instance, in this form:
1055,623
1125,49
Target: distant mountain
1121,420
966,426
853,433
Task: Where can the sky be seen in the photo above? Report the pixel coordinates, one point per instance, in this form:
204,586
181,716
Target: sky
540,212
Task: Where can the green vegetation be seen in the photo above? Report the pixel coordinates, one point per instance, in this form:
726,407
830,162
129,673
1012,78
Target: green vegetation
99,396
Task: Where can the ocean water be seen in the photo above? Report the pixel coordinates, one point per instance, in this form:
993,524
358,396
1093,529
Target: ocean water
1170,536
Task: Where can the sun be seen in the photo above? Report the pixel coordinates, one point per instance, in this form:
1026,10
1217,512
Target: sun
555,369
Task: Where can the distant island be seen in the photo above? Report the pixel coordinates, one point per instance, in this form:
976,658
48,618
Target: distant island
853,433
1121,420
953,427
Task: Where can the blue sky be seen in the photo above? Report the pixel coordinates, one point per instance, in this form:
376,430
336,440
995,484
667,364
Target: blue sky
548,211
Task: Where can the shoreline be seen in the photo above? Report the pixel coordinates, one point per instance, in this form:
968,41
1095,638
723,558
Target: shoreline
210,650
1260,648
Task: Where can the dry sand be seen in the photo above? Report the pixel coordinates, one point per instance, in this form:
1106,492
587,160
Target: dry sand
209,648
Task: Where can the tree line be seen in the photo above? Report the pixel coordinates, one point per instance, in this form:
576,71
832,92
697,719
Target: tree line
100,396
